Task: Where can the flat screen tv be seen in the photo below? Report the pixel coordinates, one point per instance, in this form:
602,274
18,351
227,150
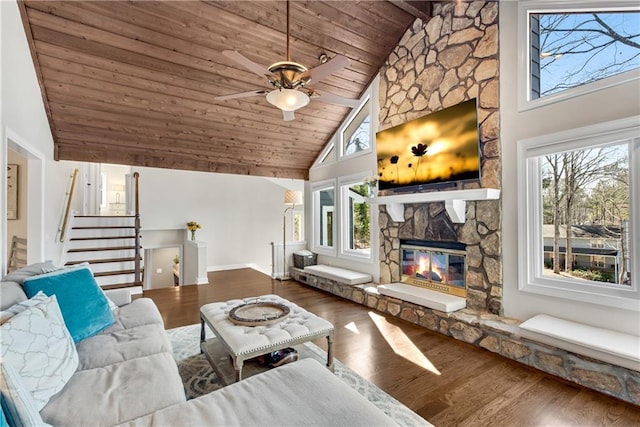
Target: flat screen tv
438,150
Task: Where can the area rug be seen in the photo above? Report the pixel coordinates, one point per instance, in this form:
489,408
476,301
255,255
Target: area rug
199,378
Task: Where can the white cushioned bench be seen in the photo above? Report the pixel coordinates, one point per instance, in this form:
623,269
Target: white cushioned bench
341,275
598,343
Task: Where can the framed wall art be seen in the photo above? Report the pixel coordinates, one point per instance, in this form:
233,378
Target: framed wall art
12,191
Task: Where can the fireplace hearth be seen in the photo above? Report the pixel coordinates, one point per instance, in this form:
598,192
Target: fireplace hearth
439,266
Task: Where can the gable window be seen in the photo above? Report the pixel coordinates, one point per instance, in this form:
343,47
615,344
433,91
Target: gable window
323,205
356,218
577,48
356,137
576,214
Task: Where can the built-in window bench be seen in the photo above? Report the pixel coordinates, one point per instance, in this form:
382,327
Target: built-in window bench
338,281
602,344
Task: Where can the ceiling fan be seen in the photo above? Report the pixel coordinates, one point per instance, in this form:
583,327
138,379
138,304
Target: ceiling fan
288,81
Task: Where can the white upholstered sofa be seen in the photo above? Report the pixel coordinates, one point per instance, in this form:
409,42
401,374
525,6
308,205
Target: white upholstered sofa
126,375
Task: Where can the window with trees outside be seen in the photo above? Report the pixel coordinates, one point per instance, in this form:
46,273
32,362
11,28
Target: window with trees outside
581,49
356,137
323,205
356,239
576,216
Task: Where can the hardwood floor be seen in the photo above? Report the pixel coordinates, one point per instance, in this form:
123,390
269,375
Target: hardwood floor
447,382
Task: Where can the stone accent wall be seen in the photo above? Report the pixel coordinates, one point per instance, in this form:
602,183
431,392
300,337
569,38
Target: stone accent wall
497,334
450,59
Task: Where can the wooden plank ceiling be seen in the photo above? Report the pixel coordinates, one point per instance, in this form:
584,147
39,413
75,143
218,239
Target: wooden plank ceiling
133,82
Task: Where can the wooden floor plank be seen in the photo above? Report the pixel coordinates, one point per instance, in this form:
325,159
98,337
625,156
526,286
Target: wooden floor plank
446,381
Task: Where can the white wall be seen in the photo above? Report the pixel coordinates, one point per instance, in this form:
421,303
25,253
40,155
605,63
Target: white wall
606,105
240,215
24,125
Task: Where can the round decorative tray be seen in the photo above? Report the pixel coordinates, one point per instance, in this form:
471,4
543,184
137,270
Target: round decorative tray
258,313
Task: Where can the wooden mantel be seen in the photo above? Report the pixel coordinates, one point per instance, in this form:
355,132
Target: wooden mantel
455,201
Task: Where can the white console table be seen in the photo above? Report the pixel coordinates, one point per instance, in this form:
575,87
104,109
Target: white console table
455,201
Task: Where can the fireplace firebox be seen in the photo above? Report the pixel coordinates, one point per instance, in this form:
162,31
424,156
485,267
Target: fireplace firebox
439,266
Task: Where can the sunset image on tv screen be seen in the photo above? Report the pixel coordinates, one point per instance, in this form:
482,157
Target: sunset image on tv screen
439,147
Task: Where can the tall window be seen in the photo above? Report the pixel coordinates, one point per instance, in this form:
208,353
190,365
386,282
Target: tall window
580,49
356,136
324,217
357,220
576,216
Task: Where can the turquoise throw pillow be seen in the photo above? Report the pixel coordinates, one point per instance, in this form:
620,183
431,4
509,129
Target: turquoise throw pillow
84,306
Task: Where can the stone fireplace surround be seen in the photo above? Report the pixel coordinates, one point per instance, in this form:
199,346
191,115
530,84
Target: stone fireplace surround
480,233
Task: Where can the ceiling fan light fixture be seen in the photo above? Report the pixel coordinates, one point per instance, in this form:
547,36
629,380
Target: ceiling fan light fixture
288,99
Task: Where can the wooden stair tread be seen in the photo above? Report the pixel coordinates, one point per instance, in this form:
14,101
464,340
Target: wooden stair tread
103,238
120,286
102,227
101,260
113,273
105,216
108,248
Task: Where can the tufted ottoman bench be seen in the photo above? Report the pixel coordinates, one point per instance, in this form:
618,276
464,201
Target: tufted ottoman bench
245,342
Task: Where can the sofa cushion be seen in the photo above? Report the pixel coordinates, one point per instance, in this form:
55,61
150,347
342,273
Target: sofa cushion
141,311
296,394
35,269
11,293
37,344
108,348
117,393
17,402
83,304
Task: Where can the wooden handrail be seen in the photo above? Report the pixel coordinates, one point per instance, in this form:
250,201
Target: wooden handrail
137,271
67,209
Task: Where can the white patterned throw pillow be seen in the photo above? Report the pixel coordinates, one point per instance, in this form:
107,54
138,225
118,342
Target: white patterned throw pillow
37,344
21,306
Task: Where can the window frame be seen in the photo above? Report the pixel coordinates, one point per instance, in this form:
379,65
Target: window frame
528,7
316,188
530,210
345,220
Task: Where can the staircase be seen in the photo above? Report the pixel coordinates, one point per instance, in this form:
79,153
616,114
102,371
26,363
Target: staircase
108,244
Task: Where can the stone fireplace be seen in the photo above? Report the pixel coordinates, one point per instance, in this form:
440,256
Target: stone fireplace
434,265
478,238
449,59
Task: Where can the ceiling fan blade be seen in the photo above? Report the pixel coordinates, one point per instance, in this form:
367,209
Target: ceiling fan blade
246,62
318,73
241,95
288,115
335,99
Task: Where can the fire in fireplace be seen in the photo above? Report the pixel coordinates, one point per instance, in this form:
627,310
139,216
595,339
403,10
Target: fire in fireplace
439,266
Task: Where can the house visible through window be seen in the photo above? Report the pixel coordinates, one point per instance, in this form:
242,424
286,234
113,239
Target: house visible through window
576,217
573,49
586,212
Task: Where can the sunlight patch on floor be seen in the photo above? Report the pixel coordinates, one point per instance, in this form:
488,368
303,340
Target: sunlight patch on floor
352,327
401,344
